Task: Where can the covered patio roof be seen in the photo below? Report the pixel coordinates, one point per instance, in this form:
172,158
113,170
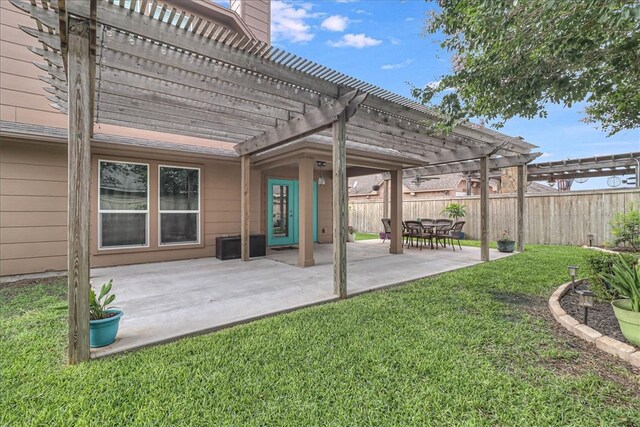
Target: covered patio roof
168,70
141,64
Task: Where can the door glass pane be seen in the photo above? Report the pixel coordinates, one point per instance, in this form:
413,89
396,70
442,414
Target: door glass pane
123,187
280,211
179,228
178,189
123,229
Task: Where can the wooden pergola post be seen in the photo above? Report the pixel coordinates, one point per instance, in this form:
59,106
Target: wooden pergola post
245,195
305,177
79,75
484,208
385,199
340,206
396,212
520,208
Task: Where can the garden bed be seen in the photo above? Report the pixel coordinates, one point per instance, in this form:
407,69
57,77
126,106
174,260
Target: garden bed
600,318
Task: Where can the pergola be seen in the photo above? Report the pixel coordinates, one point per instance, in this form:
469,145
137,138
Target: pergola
140,64
588,167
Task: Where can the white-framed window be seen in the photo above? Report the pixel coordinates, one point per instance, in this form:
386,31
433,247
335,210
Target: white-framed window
123,204
178,205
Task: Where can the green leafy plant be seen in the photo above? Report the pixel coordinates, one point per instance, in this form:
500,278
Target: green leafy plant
506,237
515,58
626,280
98,305
625,228
454,210
601,263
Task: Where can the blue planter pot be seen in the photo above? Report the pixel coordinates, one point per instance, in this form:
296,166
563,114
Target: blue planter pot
103,332
506,245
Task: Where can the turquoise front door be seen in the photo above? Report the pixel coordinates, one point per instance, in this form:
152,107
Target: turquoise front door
283,212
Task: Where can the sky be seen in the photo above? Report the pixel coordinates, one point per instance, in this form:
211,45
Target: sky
382,42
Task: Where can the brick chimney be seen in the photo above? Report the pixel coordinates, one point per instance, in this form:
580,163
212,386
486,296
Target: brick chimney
257,15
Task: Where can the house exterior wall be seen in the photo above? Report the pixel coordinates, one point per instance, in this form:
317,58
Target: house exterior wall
33,207
33,175
257,15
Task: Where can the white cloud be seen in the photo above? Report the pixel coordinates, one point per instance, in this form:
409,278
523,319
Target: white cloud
409,19
335,23
355,40
288,22
394,40
346,1
362,12
398,65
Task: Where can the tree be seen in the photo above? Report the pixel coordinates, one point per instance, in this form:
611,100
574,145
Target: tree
510,58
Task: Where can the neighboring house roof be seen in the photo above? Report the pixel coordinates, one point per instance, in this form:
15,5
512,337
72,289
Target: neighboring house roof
363,185
434,183
537,188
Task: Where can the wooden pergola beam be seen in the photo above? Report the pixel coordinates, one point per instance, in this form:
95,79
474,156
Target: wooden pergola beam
165,33
340,204
309,123
80,74
471,166
484,209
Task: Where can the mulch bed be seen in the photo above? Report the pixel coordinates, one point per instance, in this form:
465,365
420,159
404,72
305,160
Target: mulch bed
600,318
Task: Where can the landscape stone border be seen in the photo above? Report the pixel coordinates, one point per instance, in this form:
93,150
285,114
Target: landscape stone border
612,346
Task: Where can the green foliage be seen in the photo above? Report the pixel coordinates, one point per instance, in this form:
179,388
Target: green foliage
506,237
626,280
511,58
449,350
98,305
454,210
599,264
625,228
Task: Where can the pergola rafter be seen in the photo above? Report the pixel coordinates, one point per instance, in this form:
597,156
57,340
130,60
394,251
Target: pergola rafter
164,69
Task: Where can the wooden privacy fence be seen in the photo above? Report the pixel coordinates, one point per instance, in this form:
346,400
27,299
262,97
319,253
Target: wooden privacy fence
554,218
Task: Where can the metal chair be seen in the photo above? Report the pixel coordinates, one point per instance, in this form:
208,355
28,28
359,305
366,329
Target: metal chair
413,231
386,224
454,233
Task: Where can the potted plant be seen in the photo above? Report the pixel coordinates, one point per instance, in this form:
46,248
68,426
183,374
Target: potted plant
351,234
506,243
455,211
626,280
103,319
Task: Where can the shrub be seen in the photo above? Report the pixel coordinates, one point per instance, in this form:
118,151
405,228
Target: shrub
601,263
454,210
626,280
625,228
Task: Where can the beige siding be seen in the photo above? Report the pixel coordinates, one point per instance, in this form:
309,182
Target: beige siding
257,15
33,206
555,218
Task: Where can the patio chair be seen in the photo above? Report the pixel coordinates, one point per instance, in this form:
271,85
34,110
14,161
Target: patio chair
413,231
454,233
386,225
441,233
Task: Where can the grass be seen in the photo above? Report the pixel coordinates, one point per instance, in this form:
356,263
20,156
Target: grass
463,348
367,236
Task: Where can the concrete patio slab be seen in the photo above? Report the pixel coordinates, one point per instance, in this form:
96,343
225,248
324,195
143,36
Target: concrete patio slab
168,300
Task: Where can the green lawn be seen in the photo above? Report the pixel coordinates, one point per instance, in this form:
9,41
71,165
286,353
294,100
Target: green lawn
367,236
471,347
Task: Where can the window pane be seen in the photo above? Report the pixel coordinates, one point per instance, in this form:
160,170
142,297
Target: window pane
124,229
178,189
123,186
179,228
